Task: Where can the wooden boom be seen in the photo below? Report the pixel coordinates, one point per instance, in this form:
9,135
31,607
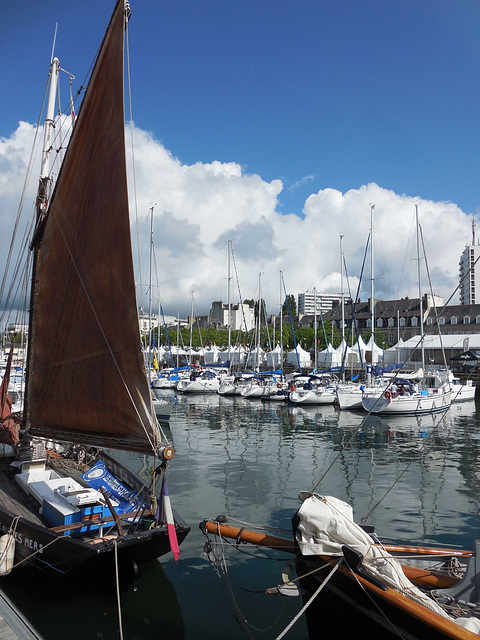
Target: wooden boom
253,537
416,575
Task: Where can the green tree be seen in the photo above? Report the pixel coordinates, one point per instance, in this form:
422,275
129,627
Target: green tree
254,305
289,305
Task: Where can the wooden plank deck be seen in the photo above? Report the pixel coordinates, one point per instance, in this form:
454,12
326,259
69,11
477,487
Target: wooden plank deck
14,499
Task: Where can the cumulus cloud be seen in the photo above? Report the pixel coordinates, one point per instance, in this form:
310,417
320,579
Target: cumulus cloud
199,207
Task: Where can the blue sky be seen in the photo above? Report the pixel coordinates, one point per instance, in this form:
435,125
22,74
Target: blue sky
319,95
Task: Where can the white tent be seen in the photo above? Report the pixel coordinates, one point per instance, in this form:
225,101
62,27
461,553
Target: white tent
395,354
274,358
253,360
212,355
303,357
359,349
376,350
329,357
351,357
237,355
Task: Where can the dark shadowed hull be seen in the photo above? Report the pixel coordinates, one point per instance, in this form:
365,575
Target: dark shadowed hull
365,610
38,545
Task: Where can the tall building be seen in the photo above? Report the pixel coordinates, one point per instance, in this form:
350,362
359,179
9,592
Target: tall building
325,302
242,316
469,272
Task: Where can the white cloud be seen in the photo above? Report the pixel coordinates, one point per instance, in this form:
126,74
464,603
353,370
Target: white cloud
301,183
202,206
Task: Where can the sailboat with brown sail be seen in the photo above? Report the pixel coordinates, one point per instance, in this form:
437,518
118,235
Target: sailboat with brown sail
86,381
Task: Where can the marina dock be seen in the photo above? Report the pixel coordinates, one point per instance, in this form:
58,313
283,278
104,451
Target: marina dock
13,625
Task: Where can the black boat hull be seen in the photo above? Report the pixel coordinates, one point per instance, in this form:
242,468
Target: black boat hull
362,609
59,555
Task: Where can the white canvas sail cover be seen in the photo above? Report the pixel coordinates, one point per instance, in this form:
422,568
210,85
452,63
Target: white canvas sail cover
326,524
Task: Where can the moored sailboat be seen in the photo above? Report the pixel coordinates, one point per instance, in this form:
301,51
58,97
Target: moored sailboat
400,397
86,381
394,590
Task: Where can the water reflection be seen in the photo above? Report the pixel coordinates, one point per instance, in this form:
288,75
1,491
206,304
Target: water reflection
417,479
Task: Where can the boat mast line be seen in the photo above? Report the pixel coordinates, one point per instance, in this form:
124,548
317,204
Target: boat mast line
117,585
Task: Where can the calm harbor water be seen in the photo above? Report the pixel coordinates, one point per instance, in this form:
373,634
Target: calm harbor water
419,479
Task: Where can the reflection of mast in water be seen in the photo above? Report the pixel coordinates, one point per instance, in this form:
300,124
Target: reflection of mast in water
433,480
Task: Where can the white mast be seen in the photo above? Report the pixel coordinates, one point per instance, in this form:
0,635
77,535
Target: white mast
150,299
372,301
48,135
229,316
49,125
315,324
281,321
342,300
259,318
191,334
420,288
178,337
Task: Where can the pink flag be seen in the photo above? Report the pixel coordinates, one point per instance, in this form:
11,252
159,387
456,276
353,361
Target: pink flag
168,516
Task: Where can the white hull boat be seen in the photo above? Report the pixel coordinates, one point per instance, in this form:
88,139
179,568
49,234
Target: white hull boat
462,392
206,382
253,390
350,396
326,395
163,409
228,389
416,403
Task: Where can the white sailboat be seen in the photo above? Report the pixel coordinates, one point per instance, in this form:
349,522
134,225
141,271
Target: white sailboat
401,397
350,395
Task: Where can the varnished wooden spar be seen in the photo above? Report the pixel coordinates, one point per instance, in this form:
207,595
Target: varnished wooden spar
253,537
285,544
418,576
427,551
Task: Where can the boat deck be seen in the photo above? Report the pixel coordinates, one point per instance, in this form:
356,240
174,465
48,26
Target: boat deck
15,500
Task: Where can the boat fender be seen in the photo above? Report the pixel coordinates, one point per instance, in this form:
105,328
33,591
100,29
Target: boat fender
288,586
7,553
354,561
292,387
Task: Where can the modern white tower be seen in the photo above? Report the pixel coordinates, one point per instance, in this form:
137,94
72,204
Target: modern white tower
469,272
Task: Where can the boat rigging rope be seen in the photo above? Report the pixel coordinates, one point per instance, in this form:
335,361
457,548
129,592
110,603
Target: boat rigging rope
221,569
39,550
258,527
118,591
394,629
310,600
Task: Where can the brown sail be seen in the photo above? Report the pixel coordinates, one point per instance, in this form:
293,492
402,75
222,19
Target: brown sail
86,376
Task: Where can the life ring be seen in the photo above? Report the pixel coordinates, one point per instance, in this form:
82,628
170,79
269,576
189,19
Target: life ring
279,386
292,387
388,395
